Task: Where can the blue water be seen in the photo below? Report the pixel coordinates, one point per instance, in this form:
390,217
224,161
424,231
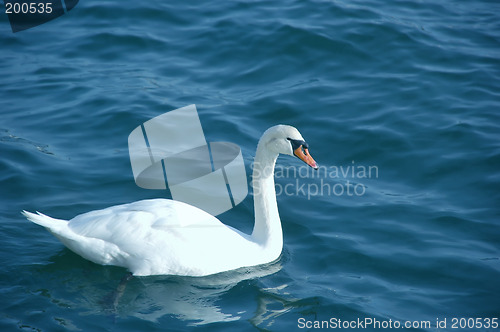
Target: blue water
407,89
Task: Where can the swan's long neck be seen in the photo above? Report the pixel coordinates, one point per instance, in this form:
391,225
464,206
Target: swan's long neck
267,229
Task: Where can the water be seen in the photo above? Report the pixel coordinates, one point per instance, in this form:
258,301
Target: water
409,88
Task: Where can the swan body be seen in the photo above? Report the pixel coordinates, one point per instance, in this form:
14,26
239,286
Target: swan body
158,236
166,237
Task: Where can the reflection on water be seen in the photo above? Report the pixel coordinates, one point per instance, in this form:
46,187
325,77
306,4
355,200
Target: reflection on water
94,289
186,299
270,305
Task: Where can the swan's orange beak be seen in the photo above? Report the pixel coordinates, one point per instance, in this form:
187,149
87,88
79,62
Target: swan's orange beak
303,154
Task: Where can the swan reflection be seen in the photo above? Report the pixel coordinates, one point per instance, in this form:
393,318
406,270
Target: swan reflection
192,299
242,294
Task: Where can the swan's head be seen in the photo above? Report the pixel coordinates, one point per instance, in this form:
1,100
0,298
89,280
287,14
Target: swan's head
288,140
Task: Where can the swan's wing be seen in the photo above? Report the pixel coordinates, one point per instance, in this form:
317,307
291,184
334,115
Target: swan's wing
158,237
140,219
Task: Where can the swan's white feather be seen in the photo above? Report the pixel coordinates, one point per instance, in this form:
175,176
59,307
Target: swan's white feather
152,237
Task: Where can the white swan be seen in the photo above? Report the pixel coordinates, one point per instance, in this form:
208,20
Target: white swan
166,237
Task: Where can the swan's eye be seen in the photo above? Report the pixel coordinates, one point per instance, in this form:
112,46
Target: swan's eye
297,143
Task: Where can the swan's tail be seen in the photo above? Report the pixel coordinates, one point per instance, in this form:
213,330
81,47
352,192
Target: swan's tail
54,225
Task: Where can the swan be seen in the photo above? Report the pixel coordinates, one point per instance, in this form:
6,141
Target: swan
167,237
